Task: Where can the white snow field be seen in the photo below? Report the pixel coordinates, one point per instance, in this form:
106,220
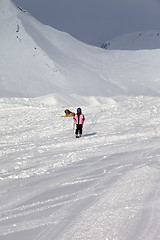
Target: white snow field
103,186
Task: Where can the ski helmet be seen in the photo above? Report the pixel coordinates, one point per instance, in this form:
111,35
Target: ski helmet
79,110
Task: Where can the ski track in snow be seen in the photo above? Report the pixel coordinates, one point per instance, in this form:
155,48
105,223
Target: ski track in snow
103,186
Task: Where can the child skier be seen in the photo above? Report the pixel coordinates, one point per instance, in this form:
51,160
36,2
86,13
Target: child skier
79,120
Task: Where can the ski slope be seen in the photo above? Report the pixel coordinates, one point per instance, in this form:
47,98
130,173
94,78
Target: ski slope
102,186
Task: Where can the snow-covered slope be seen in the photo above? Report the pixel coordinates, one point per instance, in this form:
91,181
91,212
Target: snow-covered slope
38,60
102,186
26,69
135,41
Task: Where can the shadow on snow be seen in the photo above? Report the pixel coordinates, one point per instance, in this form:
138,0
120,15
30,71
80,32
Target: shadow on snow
89,134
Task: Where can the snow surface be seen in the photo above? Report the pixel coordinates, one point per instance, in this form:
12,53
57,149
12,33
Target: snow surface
104,185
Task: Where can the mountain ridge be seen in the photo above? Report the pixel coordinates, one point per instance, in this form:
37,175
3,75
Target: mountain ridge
37,60
135,41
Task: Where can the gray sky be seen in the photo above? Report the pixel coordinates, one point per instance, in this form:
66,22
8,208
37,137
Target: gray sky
95,21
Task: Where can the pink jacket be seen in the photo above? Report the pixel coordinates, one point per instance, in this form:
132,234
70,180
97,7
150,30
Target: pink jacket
79,118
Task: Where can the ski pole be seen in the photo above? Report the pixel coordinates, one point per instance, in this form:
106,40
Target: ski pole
74,125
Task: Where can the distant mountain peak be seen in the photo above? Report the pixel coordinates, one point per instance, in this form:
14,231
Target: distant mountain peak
134,41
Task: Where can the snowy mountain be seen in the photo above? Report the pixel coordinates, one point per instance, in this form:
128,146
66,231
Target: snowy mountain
93,22
53,186
135,41
37,60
